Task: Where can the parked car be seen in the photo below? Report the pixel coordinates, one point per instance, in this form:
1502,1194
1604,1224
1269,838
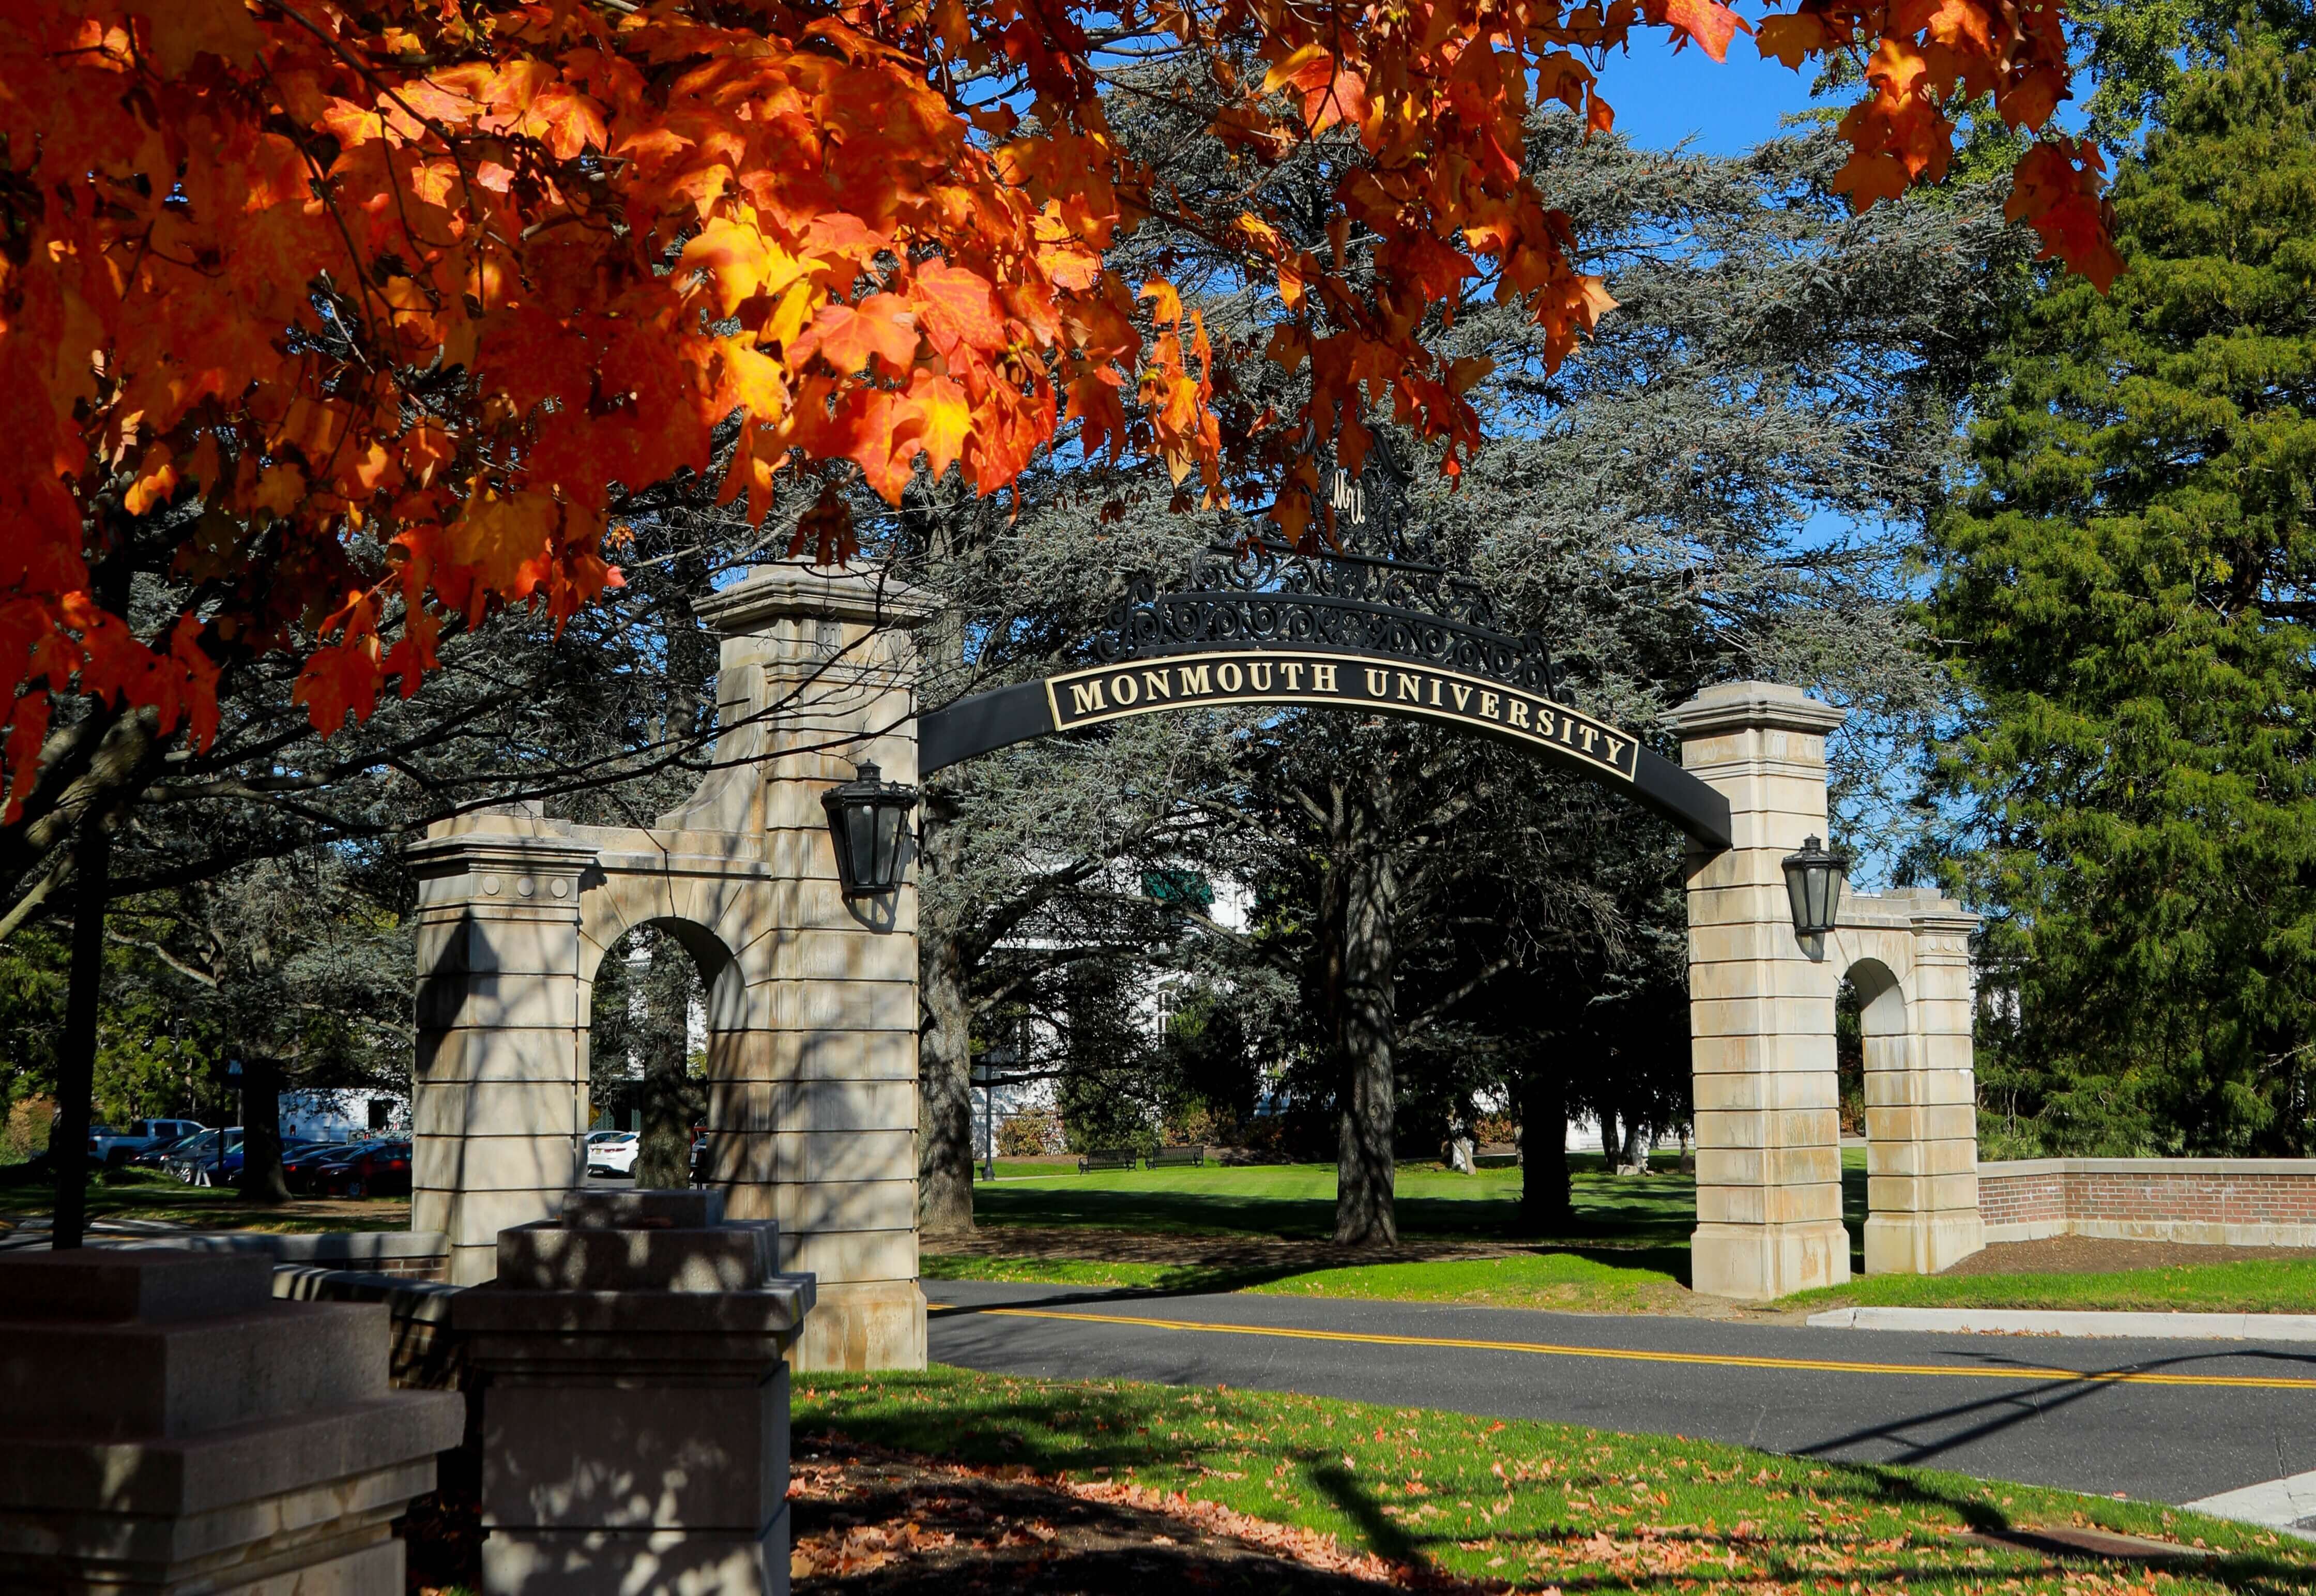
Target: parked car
379,1171
113,1147
157,1156
614,1154
195,1162
298,1169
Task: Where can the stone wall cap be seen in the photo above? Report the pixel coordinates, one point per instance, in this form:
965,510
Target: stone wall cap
130,1285
1729,706
312,1247
589,1318
218,1468
783,588
2302,1168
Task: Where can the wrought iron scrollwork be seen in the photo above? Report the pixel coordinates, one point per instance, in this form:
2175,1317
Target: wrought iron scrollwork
1265,592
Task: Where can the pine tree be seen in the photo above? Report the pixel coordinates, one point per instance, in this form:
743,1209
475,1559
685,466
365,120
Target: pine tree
2126,593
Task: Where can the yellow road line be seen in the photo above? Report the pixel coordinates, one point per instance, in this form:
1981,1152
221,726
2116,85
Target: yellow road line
1625,1355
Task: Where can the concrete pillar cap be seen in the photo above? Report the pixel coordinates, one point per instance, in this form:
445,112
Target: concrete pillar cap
1741,706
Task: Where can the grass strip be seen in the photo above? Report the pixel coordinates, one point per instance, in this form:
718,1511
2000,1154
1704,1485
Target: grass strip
1532,1503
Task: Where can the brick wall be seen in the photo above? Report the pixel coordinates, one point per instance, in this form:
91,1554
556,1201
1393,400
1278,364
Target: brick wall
2255,1202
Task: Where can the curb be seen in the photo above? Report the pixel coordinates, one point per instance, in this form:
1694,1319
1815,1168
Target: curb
2263,1327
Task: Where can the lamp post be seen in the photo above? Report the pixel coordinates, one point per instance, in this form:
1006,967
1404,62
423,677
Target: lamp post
1813,879
868,821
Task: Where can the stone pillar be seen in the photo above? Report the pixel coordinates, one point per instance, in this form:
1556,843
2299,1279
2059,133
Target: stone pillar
813,1096
499,1093
1921,1121
1769,1123
165,1425
635,1401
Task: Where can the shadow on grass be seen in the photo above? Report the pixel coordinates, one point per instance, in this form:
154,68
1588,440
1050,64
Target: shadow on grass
1101,1431
1217,1280
1653,1210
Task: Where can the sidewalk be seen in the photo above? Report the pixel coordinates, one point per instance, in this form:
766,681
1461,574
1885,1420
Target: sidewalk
2261,1327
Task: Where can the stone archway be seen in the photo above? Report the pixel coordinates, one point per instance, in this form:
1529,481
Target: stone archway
813,1004
1761,1018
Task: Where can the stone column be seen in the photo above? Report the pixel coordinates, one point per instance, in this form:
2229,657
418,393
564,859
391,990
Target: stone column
165,1425
813,1100
1769,1123
635,1404
1921,1121
499,1094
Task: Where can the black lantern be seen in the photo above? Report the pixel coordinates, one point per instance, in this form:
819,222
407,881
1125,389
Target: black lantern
1814,882
868,817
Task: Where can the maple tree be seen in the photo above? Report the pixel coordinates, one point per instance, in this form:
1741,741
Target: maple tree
394,295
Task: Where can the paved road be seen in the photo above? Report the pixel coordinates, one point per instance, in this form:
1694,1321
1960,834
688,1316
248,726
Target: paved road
2166,1420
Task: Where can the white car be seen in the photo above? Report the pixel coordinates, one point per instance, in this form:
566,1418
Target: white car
612,1153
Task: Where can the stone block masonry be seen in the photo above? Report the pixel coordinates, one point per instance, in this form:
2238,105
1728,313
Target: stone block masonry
167,1425
2238,1203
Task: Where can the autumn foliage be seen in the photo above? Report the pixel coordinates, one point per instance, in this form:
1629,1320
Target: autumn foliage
363,311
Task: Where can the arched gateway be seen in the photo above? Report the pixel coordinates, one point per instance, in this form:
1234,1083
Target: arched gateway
812,999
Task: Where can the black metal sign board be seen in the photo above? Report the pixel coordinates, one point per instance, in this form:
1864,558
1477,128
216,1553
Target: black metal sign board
1085,698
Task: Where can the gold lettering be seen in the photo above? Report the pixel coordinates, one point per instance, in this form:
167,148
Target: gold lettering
1294,669
1435,689
1410,687
1155,684
1567,724
1323,678
1517,713
1462,694
1588,734
1122,688
1378,683
1615,749
1259,672
1085,698
1488,705
1543,721
1228,678
1193,679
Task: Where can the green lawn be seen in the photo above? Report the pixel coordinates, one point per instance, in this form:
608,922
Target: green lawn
1637,1280
1298,1201
2253,1286
144,1194
1528,1502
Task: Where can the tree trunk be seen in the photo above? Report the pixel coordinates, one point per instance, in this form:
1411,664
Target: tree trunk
76,1049
1545,1206
261,1180
1364,1212
663,1147
944,1051
1612,1147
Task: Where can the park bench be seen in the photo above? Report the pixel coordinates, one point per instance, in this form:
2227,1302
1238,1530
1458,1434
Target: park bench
1494,1159
1096,1158
1164,1156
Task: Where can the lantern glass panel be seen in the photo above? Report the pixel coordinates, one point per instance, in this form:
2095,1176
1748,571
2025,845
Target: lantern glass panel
860,845
1797,890
890,820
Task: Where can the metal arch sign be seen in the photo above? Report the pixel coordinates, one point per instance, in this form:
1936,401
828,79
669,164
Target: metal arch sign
1376,684
1391,686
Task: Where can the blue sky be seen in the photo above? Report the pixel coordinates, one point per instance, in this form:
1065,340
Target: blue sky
1728,107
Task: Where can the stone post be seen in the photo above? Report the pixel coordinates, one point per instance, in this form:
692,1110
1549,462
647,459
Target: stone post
165,1425
1768,1125
635,1400
499,1094
1921,1121
812,1111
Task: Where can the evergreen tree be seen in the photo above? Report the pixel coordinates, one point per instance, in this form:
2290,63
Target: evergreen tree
2126,592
